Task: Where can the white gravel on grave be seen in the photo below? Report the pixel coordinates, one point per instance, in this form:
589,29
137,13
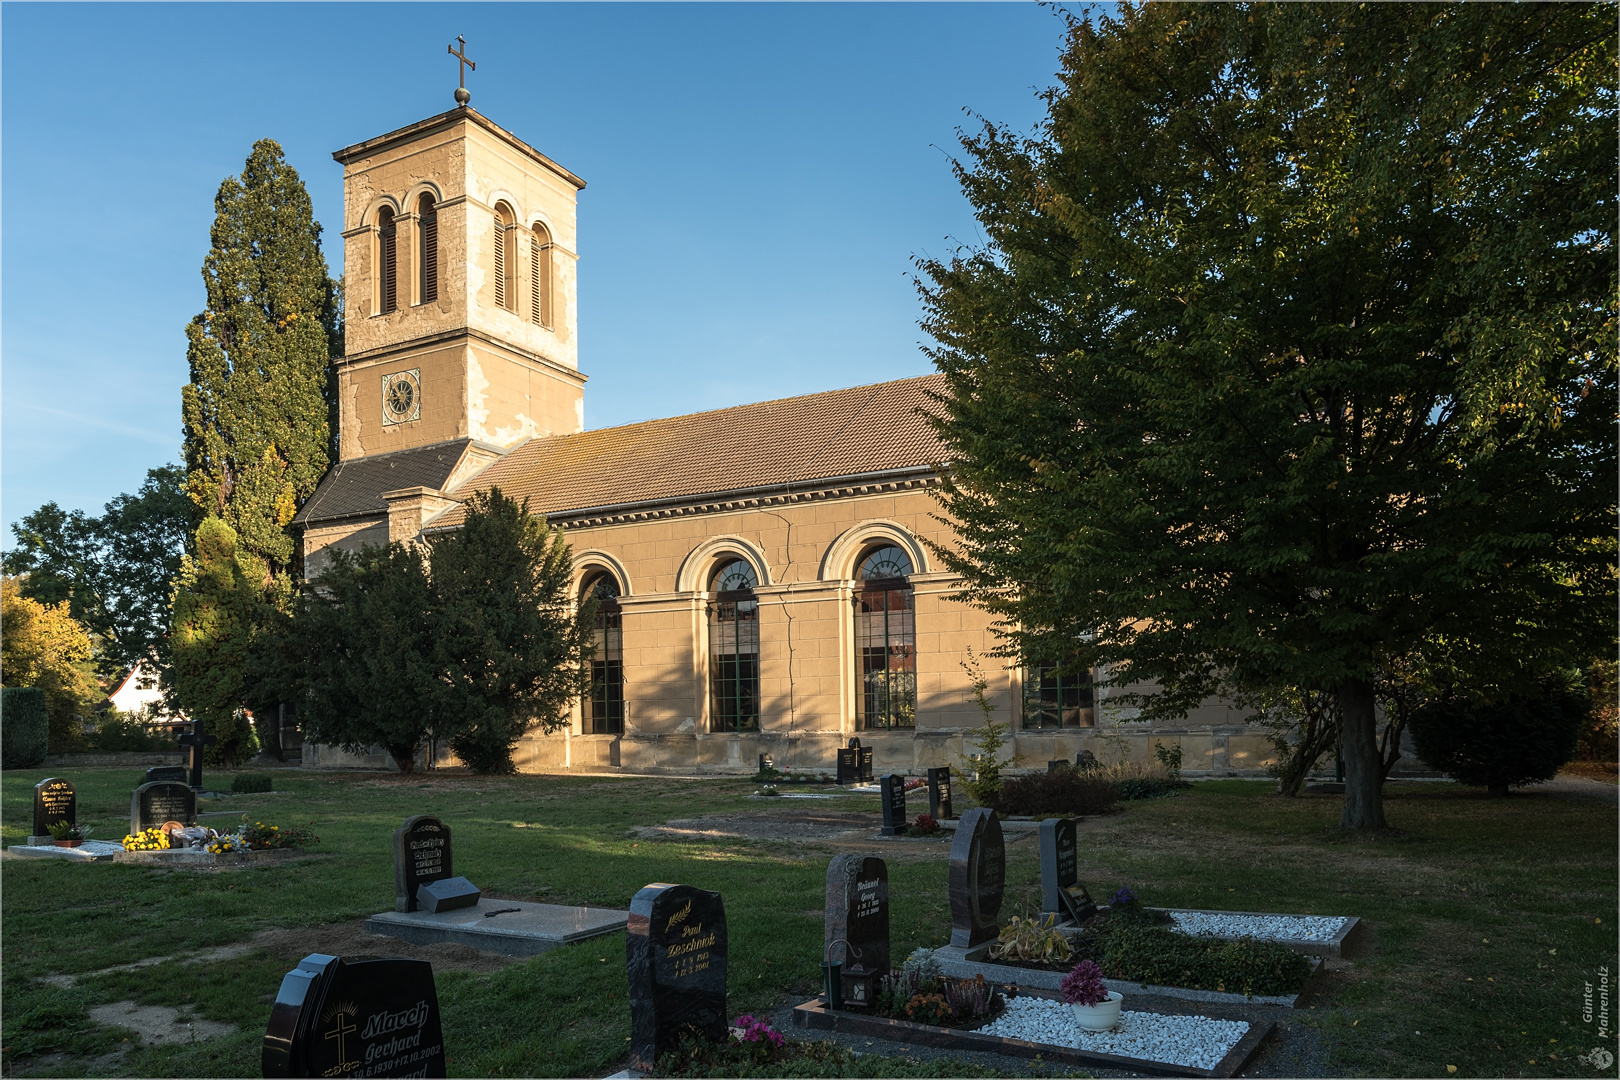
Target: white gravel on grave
1262,927
1195,1041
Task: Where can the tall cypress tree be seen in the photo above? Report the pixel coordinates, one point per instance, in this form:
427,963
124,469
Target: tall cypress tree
258,435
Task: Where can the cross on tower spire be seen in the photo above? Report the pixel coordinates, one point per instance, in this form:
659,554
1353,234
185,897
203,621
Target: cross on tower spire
462,97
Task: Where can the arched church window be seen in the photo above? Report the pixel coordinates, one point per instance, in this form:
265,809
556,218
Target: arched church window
505,293
427,217
734,648
540,276
603,707
885,641
387,261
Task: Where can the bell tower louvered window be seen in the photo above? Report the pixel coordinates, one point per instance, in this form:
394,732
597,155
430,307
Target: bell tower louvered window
540,276
428,257
505,294
885,642
734,649
387,261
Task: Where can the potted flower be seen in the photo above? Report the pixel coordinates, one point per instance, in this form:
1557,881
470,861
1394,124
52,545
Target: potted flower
67,834
1096,1007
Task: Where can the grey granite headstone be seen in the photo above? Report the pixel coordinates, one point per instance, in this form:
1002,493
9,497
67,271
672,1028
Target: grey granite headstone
977,878
1062,895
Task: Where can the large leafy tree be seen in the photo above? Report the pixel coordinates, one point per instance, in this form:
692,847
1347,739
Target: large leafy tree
115,572
258,436
1290,356
43,646
472,640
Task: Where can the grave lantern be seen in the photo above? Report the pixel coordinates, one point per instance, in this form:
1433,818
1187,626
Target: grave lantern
859,987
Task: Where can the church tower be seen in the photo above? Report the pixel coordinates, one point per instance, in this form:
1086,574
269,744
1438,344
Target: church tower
459,253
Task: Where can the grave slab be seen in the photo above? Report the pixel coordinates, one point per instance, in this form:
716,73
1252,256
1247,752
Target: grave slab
1346,942
89,851
512,927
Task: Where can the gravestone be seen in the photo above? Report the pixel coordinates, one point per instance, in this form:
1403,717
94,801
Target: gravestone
767,762
1062,895
153,805
865,759
195,743
363,1017
977,877
176,773
675,956
857,914
1085,760
53,802
421,856
894,804
447,894
849,763
939,794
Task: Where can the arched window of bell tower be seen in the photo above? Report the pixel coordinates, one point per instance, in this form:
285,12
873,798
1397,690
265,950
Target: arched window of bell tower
540,275
505,258
427,261
387,261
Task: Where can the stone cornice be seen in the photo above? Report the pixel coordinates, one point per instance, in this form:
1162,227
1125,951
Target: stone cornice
443,122
402,349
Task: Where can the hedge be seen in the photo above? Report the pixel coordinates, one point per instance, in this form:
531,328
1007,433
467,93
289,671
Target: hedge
25,727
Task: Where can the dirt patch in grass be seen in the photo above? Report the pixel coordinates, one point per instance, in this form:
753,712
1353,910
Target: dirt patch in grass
1593,770
795,825
159,1024
350,939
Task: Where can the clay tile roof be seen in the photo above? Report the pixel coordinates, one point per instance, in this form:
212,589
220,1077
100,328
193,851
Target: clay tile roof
355,487
865,429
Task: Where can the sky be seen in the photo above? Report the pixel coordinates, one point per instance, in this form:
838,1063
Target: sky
760,178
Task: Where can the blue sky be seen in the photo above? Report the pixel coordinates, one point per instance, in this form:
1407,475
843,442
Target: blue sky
760,177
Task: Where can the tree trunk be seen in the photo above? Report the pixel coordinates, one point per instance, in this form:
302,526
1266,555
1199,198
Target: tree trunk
1363,764
406,759
1497,791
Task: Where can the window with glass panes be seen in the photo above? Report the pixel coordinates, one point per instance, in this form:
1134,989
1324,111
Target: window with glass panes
885,642
1058,698
604,701
734,649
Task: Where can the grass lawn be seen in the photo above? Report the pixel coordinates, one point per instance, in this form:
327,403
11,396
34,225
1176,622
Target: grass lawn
1487,916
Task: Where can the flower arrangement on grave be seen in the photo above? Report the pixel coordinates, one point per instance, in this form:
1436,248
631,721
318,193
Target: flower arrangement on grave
226,844
147,840
1125,901
925,825
66,830
913,785
1033,940
751,1029
262,837
919,993
767,790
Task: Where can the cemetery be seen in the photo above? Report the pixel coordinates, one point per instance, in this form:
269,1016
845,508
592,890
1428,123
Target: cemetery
575,917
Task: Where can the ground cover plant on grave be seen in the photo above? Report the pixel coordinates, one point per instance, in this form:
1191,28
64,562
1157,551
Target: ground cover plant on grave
1482,913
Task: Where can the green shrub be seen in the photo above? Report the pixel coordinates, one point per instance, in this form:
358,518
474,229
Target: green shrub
117,731
1522,740
249,782
1142,952
1069,792
25,727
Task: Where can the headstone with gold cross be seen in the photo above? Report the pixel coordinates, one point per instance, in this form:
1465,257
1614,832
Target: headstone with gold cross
340,1017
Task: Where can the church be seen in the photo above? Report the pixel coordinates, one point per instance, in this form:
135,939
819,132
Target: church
763,572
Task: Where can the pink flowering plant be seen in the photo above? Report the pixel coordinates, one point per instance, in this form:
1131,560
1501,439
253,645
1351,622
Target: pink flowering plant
751,1029
1084,985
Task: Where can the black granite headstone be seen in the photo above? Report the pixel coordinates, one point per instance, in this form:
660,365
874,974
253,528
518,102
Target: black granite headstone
154,805
894,804
865,753
978,876
675,955
421,856
361,1017
1062,895
858,913
1085,760
447,894
939,794
767,763
176,773
53,803
849,766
